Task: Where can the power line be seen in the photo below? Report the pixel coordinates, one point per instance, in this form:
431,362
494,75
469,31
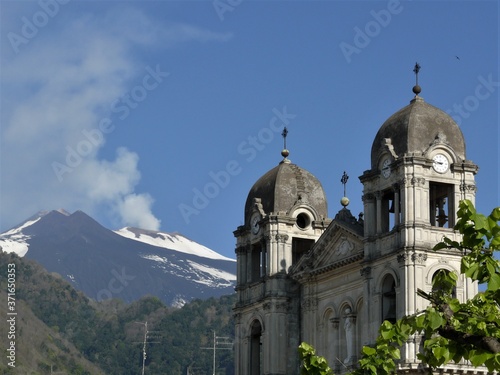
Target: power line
219,343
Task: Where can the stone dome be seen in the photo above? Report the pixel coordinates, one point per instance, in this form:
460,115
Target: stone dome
285,186
414,128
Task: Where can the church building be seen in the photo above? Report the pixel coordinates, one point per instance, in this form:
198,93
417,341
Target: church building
331,282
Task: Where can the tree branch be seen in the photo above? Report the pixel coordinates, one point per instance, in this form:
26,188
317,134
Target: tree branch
490,344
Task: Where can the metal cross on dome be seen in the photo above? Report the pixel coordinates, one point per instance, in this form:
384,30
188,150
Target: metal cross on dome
416,69
343,180
284,134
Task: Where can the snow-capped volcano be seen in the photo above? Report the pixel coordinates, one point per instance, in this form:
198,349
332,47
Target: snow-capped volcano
172,241
125,264
15,240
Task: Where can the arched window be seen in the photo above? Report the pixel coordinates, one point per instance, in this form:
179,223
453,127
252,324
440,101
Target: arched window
436,288
256,348
389,299
330,336
257,263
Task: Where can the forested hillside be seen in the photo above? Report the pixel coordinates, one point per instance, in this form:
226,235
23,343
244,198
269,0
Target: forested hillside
61,328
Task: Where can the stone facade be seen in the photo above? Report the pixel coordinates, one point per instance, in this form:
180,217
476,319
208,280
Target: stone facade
331,282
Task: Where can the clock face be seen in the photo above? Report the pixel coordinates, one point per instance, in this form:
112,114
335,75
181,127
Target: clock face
254,224
440,163
386,168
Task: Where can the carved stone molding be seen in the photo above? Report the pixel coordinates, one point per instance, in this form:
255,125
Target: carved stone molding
309,303
281,237
335,322
412,180
419,258
275,306
346,247
365,272
368,197
241,250
402,258
468,187
418,181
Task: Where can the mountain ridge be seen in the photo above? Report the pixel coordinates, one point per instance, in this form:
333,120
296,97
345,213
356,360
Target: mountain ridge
126,264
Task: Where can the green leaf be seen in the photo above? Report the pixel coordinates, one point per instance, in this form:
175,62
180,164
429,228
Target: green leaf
494,282
443,353
481,223
479,359
435,319
440,245
495,241
368,350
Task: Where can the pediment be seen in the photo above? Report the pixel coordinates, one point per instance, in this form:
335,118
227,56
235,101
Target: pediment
338,246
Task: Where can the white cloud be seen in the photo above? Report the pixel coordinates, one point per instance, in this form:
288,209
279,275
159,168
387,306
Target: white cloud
62,83
135,210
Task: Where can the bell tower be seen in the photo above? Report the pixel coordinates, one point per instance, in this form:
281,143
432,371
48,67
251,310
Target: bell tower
418,175
285,214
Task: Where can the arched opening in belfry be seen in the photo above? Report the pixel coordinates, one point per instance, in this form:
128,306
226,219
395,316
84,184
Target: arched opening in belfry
257,262
441,205
390,215
256,348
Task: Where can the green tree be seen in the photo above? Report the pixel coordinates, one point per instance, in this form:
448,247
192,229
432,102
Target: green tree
451,330
312,364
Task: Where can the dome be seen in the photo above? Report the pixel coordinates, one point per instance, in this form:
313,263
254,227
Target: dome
416,127
285,186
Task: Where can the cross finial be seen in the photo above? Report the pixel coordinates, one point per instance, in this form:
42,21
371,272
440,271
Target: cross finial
284,134
416,88
344,201
343,180
416,69
285,152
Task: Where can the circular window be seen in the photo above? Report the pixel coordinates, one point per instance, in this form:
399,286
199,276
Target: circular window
303,220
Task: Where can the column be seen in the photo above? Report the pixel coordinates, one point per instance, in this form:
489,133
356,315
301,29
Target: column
378,196
397,216
370,218
264,243
334,364
350,336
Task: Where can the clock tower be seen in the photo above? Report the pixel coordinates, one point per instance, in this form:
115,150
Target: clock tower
285,214
419,173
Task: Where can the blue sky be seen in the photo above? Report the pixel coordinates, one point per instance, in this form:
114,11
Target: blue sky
130,110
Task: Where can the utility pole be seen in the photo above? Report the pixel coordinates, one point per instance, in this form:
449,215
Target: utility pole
144,346
144,342
219,343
